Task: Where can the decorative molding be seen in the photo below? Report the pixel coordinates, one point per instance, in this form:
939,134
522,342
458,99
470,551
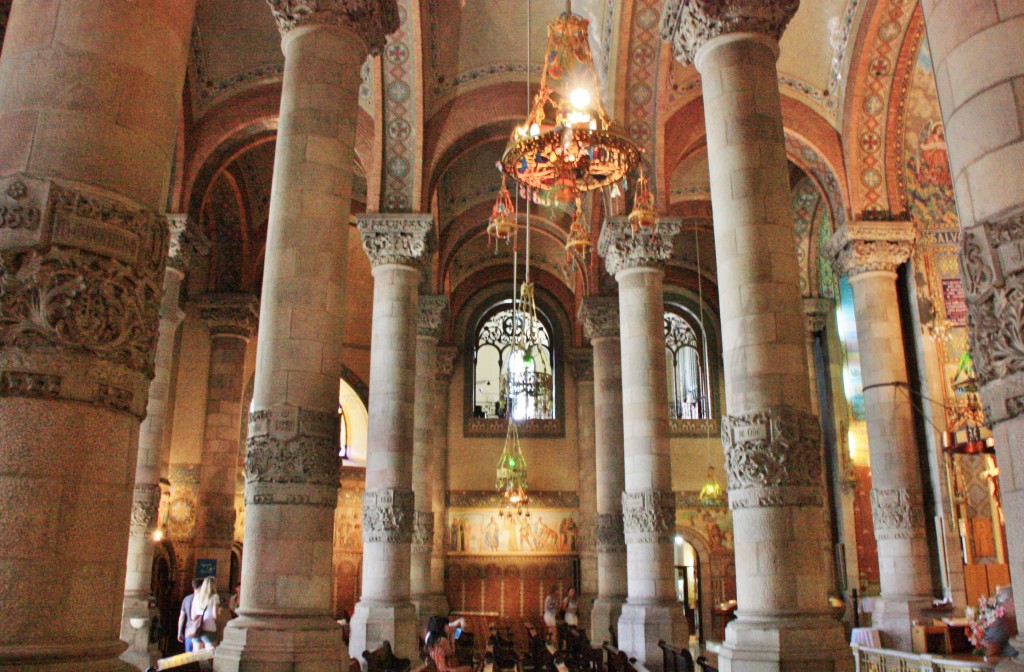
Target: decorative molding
226,314
484,427
490,499
817,312
773,458
865,246
433,316
187,243
184,475
445,364
609,534
371,20
392,238
692,427
623,250
292,457
599,317
897,513
145,504
690,24
388,516
581,363
648,516
423,529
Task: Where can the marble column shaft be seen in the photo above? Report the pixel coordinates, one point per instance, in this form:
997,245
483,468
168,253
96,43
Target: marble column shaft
186,243
432,322
600,318
397,245
445,364
581,363
652,611
979,74
772,441
291,464
88,121
869,253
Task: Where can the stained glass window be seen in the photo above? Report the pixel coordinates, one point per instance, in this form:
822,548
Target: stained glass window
688,388
508,378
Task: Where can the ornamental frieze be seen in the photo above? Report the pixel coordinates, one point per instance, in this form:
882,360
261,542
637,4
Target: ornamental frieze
897,513
648,516
623,250
433,316
489,499
392,238
388,516
292,457
608,533
773,458
690,24
599,316
371,20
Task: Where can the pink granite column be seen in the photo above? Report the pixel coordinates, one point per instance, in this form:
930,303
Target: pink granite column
772,440
88,121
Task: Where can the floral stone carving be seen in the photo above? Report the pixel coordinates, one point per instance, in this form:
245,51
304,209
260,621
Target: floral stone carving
230,314
648,516
145,504
372,20
599,316
390,238
690,24
388,516
898,513
773,458
622,249
423,529
608,533
861,247
433,316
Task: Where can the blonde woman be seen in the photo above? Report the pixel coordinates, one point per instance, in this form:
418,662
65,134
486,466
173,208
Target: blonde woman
203,615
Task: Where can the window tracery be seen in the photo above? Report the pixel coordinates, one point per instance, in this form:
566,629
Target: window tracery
688,386
507,379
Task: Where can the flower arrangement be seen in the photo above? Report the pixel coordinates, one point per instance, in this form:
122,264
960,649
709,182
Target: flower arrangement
978,620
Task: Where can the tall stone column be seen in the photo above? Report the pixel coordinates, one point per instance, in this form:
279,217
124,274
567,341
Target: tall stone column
396,244
84,167
232,320
445,364
974,49
433,317
651,611
581,363
291,464
816,315
772,440
600,319
186,244
869,253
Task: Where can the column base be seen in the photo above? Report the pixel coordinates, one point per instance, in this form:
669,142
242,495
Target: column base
372,624
603,616
139,654
426,606
642,625
91,657
281,644
777,645
894,618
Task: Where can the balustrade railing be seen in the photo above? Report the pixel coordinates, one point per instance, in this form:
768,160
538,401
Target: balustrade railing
887,660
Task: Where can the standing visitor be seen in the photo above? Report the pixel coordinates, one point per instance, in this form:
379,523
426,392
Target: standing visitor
183,615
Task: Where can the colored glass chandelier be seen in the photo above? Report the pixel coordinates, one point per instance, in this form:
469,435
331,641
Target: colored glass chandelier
712,495
511,482
502,225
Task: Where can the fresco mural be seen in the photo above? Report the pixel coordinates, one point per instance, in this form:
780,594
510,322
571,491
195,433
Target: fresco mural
484,532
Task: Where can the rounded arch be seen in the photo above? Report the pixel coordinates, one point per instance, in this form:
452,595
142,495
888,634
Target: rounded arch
705,599
355,424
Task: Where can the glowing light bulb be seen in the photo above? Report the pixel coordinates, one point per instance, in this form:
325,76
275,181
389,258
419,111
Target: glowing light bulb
580,98
535,130
158,535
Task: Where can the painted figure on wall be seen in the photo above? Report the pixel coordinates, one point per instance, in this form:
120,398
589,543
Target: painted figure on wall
546,531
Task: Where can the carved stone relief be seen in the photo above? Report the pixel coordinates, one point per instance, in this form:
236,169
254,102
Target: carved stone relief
388,516
817,312
433,316
690,24
390,238
622,249
599,316
372,20
861,247
581,363
898,513
648,516
230,314
446,356
609,534
145,504
423,528
187,244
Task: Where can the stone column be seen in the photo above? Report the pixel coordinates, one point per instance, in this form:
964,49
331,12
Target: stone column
88,120
772,440
445,364
433,317
581,363
975,51
396,245
869,254
232,320
291,464
651,611
600,319
816,315
186,244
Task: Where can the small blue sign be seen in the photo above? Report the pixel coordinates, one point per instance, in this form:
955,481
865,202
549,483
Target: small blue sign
206,567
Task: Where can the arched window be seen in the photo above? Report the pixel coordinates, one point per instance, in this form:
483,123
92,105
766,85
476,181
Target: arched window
507,378
689,395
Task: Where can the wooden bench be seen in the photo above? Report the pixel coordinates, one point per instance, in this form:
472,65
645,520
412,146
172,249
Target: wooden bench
618,661
385,660
675,659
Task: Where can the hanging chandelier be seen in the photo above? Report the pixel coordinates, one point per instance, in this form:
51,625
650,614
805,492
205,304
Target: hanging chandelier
511,483
568,144
643,215
712,495
502,224
578,243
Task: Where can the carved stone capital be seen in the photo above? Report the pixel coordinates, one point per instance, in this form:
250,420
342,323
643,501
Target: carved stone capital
773,458
690,24
622,249
371,20
393,238
648,516
388,516
235,315
423,529
145,504
292,457
581,363
861,247
816,313
898,513
599,316
609,534
433,316
187,243
445,364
